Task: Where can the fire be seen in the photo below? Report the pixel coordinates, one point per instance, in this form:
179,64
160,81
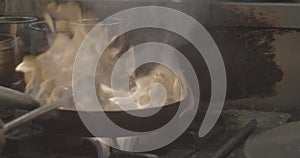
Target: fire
49,76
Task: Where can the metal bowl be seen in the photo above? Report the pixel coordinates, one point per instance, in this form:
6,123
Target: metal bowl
7,64
42,37
17,26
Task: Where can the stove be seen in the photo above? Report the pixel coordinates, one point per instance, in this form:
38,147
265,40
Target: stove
33,142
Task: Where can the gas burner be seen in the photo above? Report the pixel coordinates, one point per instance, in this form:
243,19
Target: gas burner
47,145
54,146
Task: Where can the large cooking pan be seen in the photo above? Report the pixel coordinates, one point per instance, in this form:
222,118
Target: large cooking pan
68,122
63,121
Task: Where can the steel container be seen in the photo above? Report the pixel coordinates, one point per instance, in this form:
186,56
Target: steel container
7,62
17,26
40,33
42,37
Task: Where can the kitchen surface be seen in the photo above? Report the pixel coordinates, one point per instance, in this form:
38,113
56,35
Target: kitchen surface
77,82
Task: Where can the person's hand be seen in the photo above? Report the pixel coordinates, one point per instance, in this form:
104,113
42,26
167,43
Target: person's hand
2,138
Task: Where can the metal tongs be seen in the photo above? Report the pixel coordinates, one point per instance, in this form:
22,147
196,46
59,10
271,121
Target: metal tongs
18,100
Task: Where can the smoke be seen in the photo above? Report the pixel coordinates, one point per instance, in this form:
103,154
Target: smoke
48,76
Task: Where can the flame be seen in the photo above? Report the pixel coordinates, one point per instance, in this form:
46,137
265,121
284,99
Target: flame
48,76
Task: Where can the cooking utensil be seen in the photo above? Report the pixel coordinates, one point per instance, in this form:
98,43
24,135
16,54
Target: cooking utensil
40,35
7,62
17,26
15,99
31,115
64,121
68,121
43,37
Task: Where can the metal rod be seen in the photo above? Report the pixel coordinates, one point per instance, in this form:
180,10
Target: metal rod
32,114
236,140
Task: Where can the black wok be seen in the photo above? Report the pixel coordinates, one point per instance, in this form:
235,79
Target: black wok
62,121
68,121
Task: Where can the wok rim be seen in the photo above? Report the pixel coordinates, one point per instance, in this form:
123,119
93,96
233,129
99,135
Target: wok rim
120,110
